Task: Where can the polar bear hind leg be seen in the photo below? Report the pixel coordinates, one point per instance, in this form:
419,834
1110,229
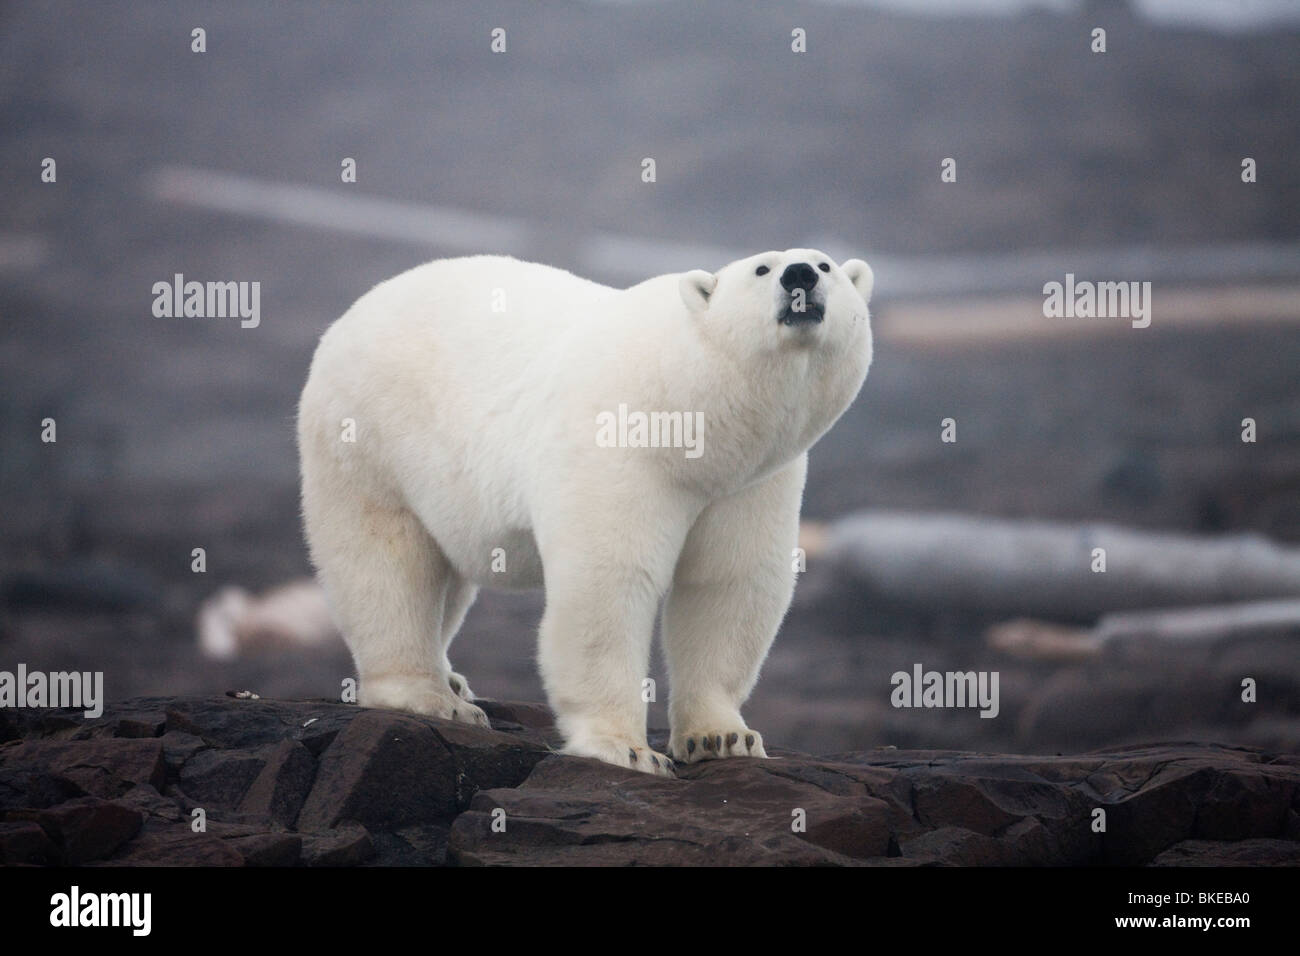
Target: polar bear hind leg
460,596
397,601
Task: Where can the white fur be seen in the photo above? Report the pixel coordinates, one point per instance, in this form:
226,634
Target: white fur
475,429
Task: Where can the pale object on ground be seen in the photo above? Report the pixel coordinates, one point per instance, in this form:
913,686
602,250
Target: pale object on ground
1050,570
1043,640
233,621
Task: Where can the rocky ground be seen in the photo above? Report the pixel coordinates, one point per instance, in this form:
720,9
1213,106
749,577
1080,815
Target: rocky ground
285,783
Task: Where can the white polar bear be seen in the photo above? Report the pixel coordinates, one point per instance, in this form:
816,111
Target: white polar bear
483,422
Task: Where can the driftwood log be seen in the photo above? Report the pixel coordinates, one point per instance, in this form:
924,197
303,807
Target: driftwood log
1004,569
1046,640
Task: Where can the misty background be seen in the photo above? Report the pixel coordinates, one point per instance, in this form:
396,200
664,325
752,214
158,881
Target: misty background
175,434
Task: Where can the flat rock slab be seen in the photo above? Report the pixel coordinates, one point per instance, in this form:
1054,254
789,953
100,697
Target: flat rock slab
229,782
892,807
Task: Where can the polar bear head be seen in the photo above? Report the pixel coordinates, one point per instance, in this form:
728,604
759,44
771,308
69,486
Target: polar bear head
798,298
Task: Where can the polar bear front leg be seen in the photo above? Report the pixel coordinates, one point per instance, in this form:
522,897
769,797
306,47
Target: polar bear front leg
606,573
731,588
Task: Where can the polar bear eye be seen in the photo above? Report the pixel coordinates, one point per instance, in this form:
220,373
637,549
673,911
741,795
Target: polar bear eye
762,271
824,267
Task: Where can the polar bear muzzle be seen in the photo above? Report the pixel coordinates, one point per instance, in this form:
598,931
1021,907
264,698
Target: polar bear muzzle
801,307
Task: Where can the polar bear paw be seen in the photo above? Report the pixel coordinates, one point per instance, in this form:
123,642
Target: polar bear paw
622,753
427,696
692,746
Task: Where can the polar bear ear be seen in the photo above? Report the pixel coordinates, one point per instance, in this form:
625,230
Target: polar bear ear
696,286
861,276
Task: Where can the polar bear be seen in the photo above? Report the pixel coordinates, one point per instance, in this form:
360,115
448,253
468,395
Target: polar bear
482,421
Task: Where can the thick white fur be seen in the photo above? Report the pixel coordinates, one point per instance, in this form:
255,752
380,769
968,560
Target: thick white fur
475,429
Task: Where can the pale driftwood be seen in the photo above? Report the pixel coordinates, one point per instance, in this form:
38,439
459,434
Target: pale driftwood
1044,640
1202,624
1031,639
233,621
1045,570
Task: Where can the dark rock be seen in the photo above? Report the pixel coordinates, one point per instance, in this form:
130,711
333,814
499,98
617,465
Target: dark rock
129,722
487,758
30,723
428,842
518,713
385,770
282,785
178,747
153,805
859,832
227,722
25,842
955,801
347,845
177,846
954,846
411,846
23,788
318,730
1226,794
104,766
727,812
218,779
1239,853
132,728
86,828
1239,805
317,783
140,717
268,849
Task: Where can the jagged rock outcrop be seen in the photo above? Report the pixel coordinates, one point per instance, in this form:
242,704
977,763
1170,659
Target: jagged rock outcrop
284,783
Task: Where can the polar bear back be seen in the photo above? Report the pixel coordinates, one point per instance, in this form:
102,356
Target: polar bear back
450,373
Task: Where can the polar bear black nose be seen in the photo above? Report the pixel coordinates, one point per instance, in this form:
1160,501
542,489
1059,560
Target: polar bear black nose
800,275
